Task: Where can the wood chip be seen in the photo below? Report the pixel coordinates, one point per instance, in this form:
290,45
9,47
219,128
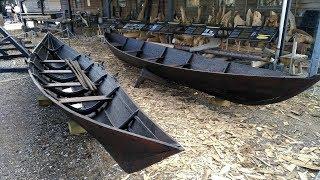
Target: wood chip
301,163
294,117
303,176
290,167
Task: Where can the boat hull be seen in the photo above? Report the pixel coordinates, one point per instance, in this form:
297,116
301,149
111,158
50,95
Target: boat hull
242,89
131,150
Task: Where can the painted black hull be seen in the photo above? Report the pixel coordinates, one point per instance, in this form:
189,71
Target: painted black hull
131,150
238,88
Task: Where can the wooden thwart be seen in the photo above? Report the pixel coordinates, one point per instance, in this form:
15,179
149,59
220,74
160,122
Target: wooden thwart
69,84
83,99
57,72
53,61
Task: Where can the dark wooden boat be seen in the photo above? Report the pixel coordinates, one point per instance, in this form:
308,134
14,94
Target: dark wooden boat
102,107
232,81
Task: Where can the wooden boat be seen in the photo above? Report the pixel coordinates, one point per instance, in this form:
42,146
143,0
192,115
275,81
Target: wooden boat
96,101
232,81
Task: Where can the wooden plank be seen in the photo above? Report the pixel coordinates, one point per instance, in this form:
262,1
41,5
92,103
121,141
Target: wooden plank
44,101
258,64
237,55
75,128
56,72
83,99
86,79
70,84
53,61
77,73
13,48
12,56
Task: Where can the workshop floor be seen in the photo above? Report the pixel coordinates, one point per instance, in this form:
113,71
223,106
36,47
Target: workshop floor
279,141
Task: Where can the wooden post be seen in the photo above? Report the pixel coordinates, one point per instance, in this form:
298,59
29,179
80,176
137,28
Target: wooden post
315,59
24,21
148,11
286,6
170,11
42,6
70,16
107,8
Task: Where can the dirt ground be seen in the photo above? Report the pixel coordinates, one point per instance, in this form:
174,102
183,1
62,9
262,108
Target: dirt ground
279,141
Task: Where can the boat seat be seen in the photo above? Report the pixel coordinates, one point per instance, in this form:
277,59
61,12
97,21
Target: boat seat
120,112
126,123
133,45
116,38
83,99
237,68
56,72
53,61
69,84
152,51
199,62
176,57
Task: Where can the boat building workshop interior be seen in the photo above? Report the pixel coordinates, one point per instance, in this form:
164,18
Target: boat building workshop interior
160,89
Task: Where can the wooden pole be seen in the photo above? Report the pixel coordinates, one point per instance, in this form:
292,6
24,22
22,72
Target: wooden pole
148,11
315,59
170,10
286,6
42,6
24,21
237,55
107,8
70,16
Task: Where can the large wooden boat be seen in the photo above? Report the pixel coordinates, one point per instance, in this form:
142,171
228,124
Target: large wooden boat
95,100
232,81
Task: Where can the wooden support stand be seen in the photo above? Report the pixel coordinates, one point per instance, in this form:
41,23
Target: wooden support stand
75,128
44,101
147,75
294,60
